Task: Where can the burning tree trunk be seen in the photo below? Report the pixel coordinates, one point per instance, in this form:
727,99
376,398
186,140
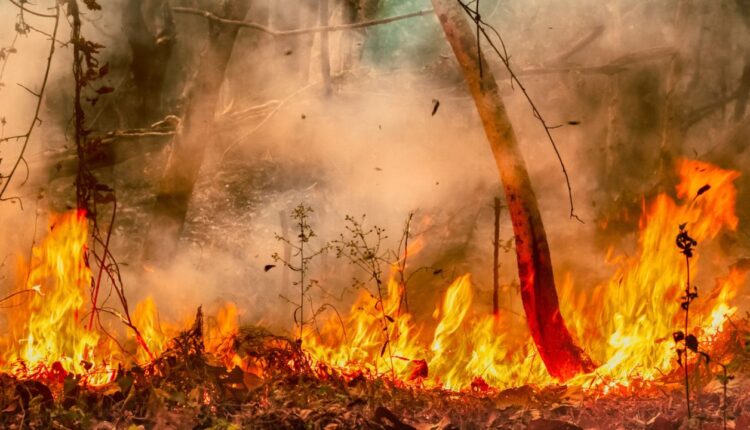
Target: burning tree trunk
562,357
190,142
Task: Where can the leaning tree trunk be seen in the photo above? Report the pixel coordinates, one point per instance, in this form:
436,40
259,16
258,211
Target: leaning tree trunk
562,357
189,144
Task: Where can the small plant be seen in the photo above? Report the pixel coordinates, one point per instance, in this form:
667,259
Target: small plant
401,256
363,248
304,254
724,378
687,342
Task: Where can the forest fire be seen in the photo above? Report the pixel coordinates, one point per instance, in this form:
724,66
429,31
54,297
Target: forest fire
391,215
625,325
49,338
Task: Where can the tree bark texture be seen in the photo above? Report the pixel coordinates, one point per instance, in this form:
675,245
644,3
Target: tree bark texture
562,357
195,134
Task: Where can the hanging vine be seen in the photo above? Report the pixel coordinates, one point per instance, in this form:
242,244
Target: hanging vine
90,193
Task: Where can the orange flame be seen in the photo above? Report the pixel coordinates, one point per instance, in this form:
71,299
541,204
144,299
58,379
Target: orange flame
625,325
53,337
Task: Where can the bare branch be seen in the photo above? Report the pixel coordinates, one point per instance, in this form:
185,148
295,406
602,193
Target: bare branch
321,29
35,117
39,14
483,26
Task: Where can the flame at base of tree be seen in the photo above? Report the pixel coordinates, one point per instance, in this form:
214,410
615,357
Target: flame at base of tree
625,325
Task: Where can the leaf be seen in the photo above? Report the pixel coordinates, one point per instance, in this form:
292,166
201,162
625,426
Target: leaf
125,382
691,342
92,5
678,336
11,408
103,70
268,267
389,318
104,90
103,187
435,106
70,383
382,350
702,190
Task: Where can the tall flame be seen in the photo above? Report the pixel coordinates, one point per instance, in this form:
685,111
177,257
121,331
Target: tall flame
54,339
625,325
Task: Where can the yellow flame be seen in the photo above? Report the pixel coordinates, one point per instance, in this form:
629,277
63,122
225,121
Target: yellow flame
146,318
54,334
626,325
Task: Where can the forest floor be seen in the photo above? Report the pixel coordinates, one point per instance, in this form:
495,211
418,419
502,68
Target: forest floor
185,388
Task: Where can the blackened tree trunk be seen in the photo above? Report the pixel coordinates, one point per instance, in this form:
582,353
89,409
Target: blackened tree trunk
562,357
150,30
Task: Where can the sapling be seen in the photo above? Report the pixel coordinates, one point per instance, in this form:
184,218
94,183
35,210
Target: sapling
304,253
363,248
687,342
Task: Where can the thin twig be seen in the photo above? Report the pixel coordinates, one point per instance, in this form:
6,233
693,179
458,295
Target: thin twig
514,78
40,95
97,286
39,14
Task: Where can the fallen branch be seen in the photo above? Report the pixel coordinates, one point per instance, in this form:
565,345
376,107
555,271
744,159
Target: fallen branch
578,46
615,66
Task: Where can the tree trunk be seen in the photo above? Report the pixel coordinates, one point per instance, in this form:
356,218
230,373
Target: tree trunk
562,357
189,144
325,53
496,263
354,41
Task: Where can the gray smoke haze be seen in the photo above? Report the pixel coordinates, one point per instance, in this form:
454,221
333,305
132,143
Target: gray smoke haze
373,146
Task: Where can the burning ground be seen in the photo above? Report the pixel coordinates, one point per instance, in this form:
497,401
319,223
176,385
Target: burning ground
203,272
380,366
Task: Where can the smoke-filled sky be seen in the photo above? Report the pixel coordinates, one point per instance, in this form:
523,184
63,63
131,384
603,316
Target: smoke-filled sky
613,78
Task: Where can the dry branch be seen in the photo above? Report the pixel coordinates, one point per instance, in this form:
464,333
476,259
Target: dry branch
35,120
35,13
322,29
